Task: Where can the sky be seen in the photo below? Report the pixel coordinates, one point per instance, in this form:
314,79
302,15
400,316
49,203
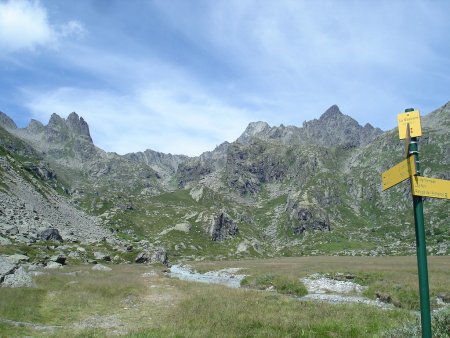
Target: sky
183,76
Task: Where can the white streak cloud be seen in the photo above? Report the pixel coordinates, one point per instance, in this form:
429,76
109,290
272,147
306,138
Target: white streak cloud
24,25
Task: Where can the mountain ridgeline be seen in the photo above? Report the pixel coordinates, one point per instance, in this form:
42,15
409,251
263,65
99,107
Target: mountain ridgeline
284,190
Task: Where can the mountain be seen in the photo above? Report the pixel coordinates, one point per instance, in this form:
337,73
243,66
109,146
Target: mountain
283,190
332,128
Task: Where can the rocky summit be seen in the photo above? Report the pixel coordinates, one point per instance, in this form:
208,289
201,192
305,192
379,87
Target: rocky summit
288,190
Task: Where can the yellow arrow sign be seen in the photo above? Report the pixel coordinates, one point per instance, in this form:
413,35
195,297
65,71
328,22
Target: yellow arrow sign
398,173
430,187
413,118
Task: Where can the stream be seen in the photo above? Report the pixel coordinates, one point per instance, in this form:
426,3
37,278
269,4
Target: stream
227,277
319,288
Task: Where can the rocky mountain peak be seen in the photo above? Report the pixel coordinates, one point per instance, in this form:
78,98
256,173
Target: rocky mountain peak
60,129
78,125
6,122
55,121
331,113
334,127
35,127
253,129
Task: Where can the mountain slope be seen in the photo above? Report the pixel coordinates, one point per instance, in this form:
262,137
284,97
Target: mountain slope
281,190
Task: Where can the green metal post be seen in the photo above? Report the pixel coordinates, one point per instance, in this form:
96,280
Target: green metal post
425,315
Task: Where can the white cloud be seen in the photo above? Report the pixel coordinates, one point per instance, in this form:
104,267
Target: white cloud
71,28
24,25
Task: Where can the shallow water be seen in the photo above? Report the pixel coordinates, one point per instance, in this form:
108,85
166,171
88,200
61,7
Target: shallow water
227,277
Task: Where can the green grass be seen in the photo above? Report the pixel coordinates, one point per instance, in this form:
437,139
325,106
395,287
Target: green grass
282,284
217,312
159,306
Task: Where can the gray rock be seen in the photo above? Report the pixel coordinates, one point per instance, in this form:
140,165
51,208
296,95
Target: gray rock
4,241
160,255
53,265
61,259
444,297
51,235
100,267
12,230
74,255
16,259
19,279
102,256
142,257
6,267
223,228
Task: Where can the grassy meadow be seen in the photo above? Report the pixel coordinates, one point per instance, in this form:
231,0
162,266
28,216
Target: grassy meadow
141,301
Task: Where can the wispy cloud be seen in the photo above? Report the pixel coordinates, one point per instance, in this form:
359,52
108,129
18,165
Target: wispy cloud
181,77
168,119
24,25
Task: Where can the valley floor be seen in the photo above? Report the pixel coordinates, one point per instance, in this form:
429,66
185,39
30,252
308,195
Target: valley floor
144,301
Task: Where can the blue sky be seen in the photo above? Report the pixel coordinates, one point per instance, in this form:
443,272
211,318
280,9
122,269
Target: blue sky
182,76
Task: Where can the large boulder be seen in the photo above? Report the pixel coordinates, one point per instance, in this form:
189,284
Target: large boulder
51,235
16,259
157,256
61,259
6,267
100,256
11,274
142,257
19,279
100,267
160,256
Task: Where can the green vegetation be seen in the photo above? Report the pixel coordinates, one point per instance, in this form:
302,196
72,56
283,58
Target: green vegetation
281,284
440,326
216,312
79,302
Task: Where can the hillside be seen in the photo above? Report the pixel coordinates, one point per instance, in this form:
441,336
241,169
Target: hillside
275,191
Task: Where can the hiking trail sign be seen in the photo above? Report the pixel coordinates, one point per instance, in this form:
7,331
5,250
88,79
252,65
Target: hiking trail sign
409,128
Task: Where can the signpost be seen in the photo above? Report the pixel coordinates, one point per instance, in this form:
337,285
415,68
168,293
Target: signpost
430,187
398,173
413,119
409,128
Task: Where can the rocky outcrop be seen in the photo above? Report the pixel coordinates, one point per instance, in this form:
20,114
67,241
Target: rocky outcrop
305,217
41,170
160,162
223,228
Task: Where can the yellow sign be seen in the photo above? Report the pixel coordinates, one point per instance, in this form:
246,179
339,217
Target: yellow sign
398,173
430,187
413,118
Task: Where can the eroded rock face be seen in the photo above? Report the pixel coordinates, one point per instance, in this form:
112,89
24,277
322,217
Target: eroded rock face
223,228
